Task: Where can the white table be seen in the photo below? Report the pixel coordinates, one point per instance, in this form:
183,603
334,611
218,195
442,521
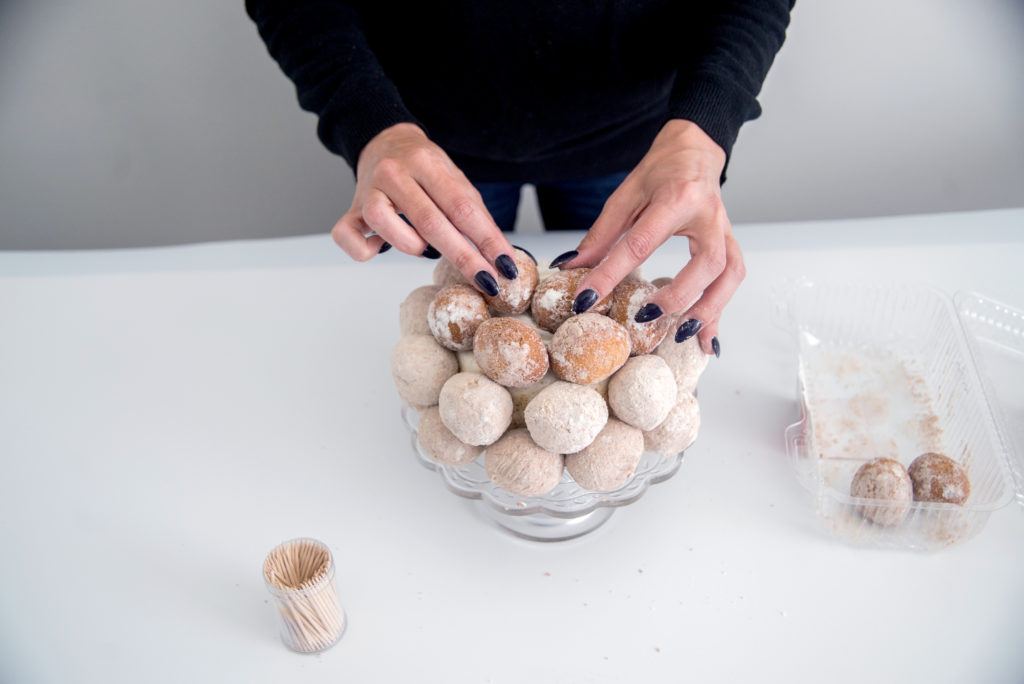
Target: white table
169,415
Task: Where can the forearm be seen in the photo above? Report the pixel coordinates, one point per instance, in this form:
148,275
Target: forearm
321,47
720,78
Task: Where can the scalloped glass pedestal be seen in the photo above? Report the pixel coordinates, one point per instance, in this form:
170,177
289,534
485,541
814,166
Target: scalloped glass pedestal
566,512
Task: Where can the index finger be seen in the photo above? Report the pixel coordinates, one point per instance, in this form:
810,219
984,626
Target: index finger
462,204
652,228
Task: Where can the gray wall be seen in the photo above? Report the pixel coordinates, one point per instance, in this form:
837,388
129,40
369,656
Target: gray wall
136,122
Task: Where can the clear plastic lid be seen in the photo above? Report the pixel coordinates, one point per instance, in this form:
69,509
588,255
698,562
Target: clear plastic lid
996,333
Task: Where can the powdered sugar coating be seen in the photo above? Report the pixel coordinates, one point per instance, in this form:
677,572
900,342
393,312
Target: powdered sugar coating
514,295
517,464
679,429
938,478
627,298
476,409
642,392
522,396
420,367
552,302
887,480
439,442
610,460
446,274
412,312
686,360
510,352
454,315
565,417
588,348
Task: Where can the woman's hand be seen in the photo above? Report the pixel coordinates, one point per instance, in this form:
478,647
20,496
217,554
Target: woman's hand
400,172
674,190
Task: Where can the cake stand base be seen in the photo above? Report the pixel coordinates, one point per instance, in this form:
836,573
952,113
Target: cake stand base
544,527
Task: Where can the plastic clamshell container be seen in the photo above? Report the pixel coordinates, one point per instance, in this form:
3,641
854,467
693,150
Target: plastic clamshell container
890,371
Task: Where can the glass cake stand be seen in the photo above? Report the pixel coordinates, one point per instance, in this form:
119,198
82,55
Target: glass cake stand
566,512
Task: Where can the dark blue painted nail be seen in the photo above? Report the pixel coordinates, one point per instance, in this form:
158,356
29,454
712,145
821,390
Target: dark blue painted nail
688,329
384,246
431,253
715,347
584,300
506,267
648,312
527,253
562,258
487,283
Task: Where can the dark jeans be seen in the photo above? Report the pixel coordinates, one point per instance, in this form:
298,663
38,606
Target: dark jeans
565,205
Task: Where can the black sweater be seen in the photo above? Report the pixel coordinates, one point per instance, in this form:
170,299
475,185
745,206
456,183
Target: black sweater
525,90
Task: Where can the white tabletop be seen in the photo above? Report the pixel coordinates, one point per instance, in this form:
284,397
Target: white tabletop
169,415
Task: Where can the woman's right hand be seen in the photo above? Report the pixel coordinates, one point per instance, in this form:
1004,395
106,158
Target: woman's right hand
400,172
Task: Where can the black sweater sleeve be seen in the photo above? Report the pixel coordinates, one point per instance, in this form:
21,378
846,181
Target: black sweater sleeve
717,84
321,47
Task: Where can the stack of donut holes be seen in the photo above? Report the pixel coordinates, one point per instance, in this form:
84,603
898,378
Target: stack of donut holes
537,390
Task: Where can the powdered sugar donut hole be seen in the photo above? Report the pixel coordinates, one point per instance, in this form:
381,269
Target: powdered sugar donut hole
610,460
565,417
642,392
446,274
518,465
454,315
420,367
510,352
552,301
514,295
887,480
476,409
679,429
522,396
439,442
627,298
686,360
588,348
412,312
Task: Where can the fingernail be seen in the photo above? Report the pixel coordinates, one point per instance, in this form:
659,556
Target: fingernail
715,347
562,258
688,330
384,246
431,253
584,300
487,283
506,267
527,253
648,312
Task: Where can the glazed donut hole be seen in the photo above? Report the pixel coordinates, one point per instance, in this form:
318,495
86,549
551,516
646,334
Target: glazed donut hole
938,478
627,298
552,301
886,480
454,315
523,388
588,348
514,296
510,352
